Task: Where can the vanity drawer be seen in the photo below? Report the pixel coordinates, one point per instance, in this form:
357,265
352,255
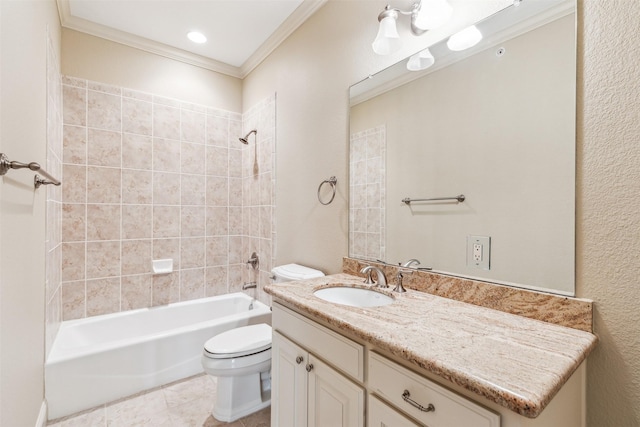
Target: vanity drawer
339,351
389,380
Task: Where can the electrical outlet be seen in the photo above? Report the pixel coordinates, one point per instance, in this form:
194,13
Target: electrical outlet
479,252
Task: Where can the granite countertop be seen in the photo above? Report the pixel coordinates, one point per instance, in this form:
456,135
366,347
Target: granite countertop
516,362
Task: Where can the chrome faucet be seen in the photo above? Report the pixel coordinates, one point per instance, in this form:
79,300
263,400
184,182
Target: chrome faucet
411,262
382,280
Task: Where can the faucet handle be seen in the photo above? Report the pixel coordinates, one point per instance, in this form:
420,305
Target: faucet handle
399,288
367,270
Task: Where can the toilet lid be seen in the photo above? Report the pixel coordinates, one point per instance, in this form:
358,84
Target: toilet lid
241,341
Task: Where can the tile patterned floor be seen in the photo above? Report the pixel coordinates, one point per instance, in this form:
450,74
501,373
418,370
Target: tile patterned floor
185,403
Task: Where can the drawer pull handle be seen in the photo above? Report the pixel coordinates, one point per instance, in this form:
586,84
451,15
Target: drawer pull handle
309,367
299,359
406,396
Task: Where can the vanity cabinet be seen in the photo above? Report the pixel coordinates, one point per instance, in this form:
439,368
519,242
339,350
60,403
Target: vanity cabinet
322,378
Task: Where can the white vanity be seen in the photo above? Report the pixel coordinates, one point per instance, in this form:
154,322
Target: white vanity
422,360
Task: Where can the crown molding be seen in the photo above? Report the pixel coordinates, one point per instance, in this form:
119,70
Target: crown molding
303,12
297,18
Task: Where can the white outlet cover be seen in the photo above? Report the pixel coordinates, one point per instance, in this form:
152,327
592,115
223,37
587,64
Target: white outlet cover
479,252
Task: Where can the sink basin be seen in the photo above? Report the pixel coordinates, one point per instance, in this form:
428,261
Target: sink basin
355,297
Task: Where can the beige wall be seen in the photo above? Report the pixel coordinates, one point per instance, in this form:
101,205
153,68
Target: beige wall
312,71
608,219
104,61
23,125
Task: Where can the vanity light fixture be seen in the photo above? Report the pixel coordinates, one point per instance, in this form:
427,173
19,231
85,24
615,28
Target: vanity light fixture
420,61
425,15
196,37
464,39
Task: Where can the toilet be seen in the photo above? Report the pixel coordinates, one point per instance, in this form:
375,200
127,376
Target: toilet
240,358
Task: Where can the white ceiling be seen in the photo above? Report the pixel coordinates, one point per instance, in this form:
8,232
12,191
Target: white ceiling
240,33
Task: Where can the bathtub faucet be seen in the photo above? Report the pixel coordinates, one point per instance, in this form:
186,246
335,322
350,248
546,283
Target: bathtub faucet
249,285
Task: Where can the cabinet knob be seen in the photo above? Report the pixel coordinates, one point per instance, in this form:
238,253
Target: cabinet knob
299,359
309,367
406,396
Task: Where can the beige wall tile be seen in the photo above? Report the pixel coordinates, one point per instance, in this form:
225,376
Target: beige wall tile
137,186
73,300
104,111
73,222
136,151
165,288
217,161
103,185
192,126
137,221
136,256
217,221
216,280
191,284
166,122
217,191
74,105
75,145
192,158
103,296
103,259
192,252
74,189
166,221
137,116
217,251
73,261
104,148
192,221
166,155
192,189
218,131
103,222
166,188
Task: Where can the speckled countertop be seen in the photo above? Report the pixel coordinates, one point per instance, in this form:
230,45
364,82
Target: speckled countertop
516,362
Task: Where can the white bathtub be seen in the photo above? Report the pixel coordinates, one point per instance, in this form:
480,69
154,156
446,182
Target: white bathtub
104,358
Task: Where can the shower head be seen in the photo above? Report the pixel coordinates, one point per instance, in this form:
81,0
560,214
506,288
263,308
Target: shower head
245,140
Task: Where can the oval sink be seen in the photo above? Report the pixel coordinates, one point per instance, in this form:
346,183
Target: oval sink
354,297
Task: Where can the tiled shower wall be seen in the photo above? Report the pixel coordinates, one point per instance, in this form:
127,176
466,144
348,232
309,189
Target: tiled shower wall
53,243
367,160
258,195
147,177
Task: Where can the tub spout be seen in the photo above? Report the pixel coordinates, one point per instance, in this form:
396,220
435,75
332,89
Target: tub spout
249,285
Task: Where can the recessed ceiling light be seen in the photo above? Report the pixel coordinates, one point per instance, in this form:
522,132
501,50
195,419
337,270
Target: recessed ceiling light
196,37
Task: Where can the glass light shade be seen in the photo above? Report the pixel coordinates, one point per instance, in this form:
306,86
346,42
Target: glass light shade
387,41
420,61
465,39
433,14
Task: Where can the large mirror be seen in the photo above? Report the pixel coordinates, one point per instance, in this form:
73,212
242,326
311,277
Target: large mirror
495,123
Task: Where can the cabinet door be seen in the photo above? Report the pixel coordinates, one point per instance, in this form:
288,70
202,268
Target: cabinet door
288,383
383,415
334,401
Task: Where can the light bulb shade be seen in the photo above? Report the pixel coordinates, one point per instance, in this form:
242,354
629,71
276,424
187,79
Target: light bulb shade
432,14
387,41
420,61
465,39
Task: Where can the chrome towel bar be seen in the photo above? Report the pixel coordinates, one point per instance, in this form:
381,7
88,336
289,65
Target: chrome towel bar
460,198
5,165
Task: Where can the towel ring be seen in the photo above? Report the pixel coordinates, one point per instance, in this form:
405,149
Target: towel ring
331,181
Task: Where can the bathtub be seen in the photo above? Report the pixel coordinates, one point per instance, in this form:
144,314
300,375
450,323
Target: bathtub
104,358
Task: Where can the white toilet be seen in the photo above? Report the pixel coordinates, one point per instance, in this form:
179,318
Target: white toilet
241,359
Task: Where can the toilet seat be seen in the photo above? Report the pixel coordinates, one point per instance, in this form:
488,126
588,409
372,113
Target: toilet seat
239,342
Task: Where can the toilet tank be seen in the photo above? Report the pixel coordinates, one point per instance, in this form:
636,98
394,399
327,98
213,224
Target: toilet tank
290,272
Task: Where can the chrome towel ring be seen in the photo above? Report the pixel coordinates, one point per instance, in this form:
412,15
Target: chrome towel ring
331,181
